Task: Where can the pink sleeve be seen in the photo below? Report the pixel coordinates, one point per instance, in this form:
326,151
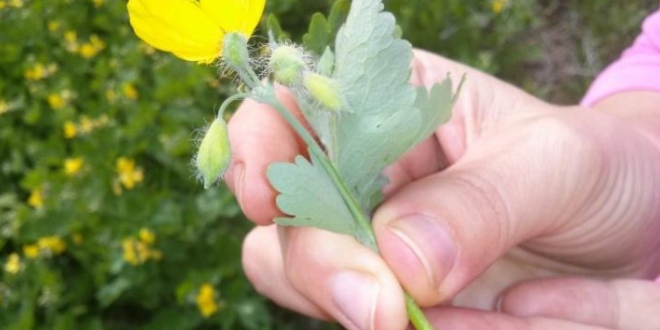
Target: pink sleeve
638,68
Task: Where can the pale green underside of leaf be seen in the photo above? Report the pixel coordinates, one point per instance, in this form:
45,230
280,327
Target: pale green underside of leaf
310,197
387,115
383,117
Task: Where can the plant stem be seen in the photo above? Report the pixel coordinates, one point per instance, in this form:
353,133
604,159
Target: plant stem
267,95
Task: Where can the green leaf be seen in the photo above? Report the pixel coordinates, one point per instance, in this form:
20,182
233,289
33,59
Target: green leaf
322,30
275,29
309,196
387,115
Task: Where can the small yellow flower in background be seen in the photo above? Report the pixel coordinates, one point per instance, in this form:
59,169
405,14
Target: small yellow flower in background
31,251
4,107
129,175
86,125
193,30
70,130
498,5
98,3
16,3
52,244
56,101
13,264
147,236
135,252
71,41
91,48
138,251
3,4
54,26
129,91
39,71
206,300
73,165
36,198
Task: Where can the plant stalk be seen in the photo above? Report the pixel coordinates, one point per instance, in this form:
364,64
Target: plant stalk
415,314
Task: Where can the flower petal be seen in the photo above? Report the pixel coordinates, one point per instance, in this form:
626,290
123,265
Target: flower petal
177,26
235,15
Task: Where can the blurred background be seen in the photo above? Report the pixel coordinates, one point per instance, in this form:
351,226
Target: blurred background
102,225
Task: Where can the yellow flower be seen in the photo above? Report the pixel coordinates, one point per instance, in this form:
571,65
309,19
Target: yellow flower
498,5
129,91
36,198
56,101
13,263
147,236
4,107
129,175
54,26
52,244
73,165
31,251
16,3
135,252
91,48
98,3
71,41
206,300
193,30
70,129
3,4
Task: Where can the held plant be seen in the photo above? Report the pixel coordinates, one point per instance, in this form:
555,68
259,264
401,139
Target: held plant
356,97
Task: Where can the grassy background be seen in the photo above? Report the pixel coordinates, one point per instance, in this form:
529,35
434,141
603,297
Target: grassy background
101,223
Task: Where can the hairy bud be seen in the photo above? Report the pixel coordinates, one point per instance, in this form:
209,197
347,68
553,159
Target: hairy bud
323,90
287,64
214,153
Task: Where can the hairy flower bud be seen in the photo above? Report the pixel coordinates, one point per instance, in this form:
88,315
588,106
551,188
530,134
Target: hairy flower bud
287,64
214,153
323,90
235,52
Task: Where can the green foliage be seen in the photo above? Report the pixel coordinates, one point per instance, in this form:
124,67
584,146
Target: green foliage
310,197
76,66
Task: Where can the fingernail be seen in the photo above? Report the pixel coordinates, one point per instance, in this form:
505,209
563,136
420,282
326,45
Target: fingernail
355,295
431,243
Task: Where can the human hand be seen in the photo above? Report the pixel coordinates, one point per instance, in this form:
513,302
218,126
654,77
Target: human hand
510,189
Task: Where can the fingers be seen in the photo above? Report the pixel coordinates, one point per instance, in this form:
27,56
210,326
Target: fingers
259,136
264,267
619,304
324,275
465,319
345,279
442,232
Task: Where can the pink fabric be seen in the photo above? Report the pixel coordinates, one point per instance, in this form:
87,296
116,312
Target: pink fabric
638,68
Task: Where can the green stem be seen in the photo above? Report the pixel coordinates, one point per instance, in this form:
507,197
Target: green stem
415,313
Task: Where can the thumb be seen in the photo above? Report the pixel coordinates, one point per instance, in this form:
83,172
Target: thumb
440,233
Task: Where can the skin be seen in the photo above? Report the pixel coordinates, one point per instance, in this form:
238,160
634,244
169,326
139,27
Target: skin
516,214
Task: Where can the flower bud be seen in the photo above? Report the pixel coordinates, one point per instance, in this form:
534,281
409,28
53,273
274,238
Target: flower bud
324,90
235,52
287,64
214,153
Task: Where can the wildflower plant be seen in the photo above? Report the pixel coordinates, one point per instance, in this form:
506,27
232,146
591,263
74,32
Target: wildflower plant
365,117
